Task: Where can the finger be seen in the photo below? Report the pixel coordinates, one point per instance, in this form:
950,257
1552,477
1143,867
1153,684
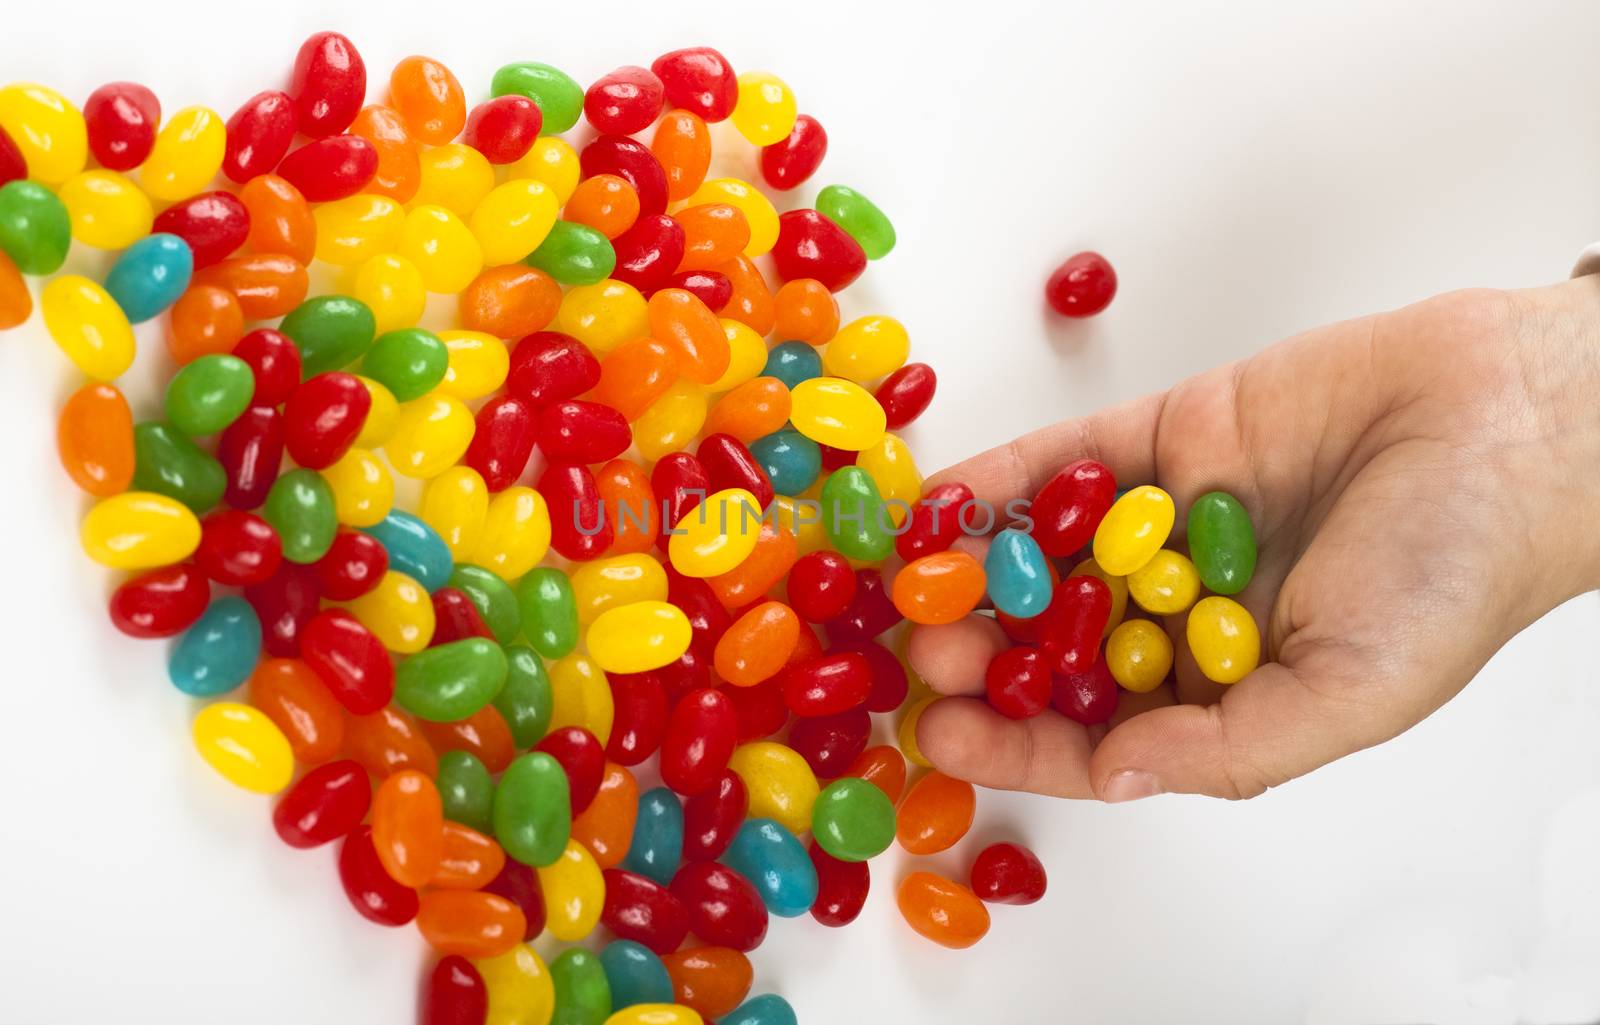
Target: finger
952,658
1047,754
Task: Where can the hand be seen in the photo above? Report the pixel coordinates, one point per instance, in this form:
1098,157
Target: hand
1423,485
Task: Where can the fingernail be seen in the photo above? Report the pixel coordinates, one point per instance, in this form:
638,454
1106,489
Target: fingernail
1131,785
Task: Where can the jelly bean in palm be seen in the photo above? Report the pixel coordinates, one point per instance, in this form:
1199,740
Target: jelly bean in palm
657,844
854,516
1223,638
300,508
209,394
94,438
1222,542
574,254
218,652
451,681
48,130
634,974
532,810
121,120
1018,575
107,211
88,325
1133,530
769,856
525,700
244,746
560,99
1166,585
780,785
549,611
168,463
1139,655
945,912
430,435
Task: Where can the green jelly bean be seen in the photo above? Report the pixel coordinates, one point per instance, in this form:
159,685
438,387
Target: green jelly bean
559,98
574,254
533,809
300,509
854,517
526,701
35,230
859,217
451,681
209,394
494,599
1222,542
332,331
583,995
852,820
167,462
409,362
549,612
467,790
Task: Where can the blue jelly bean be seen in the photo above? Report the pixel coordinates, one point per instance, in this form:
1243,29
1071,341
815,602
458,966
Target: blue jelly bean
219,652
772,859
793,461
657,845
793,362
636,975
1019,576
766,1009
150,275
415,549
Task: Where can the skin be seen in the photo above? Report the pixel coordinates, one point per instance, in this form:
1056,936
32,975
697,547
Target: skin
1422,484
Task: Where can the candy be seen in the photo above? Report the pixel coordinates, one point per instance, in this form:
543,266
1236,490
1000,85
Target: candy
213,224
1082,286
574,893
583,995
243,746
1223,638
455,995
853,820
769,856
936,813
789,162
326,804
711,980
765,112
328,84
429,98
187,154
1222,542
835,412
47,129
470,923
945,912
258,135
1018,682
106,210
532,810
724,907
16,302
520,987
809,245
367,884
120,121
656,1014
858,527
219,651
575,254
559,98
452,681
1133,530
1006,873
503,129
699,79
407,820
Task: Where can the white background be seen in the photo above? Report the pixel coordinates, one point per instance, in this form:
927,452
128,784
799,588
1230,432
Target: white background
1251,169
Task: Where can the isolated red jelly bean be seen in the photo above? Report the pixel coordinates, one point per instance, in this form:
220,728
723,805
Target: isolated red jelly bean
121,118
729,464
831,743
455,995
576,431
1018,682
936,522
503,441
713,816
582,758
548,366
215,224
869,613
631,161
1070,506
699,604
162,602
519,884
332,168
1074,622
724,908
1089,697
639,716
787,163
353,565
698,79
367,883
259,134
285,603
827,684
504,129
323,418
649,252
349,659
841,888
1006,873
821,586
711,287
274,359
238,548
329,84
811,246
12,165
251,450
455,618
579,529
624,101
640,909
760,711
1082,286
906,394
700,737
324,805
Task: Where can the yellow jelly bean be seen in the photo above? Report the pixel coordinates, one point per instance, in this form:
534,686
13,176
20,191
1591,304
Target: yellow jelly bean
656,1014
1139,655
604,315
552,161
639,637
1133,530
442,248
866,349
1223,639
363,490
907,734
478,364
804,521
392,288
430,435
513,219
454,176
1118,587
48,130
782,786
245,747
88,325
766,110
716,535
398,611
186,156
456,505
620,580
357,228
521,991
1166,585
747,356
138,530
580,695
758,210
672,421
574,892
516,532
108,210
382,415
835,412
889,464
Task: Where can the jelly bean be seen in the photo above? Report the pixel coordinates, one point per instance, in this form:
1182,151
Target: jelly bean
265,285
443,249
328,85
698,742
399,172
631,161
884,768
205,320
520,988
853,820
724,907
432,433
478,364
766,1009
809,245
35,227
281,221
635,374
12,165
468,859
455,994
120,120
1006,873
1118,587
331,168
761,571
807,312
841,887
429,97
604,315
761,218
294,697
656,1014
1133,530
492,597
574,254
383,413
286,601
780,785
714,233
790,161
213,225
327,804
244,746
640,909
258,135
376,896
583,996
549,366
105,209
209,394
219,651
16,302
747,351
392,288
615,582
356,228
751,303
835,412
682,484
867,348
456,505
150,275
524,702
682,145
1089,697
160,603
889,463
729,465
858,526
765,113
250,450
716,535
532,809
138,530
755,409
94,439
830,743
574,893
509,302
790,460
88,325
513,220
582,760
1075,622
451,681
945,912
48,130
671,422
350,660
399,611
331,331
582,432
1224,639
758,644
1018,682
647,254
1018,576
549,612
936,813
559,98
859,217
466,790
470,923
711,980
635,974
454,177
1166,585
606,826
300,508
410,362
713,815
237,548
1071,505
624,101
1222,542
827,684
699,79
1082,286
389,741
578,529
187,154
770,857
657,842
484,734
869,613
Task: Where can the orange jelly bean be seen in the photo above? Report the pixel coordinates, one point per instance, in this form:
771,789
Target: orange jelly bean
293,696
206,321
682,322
936,813
16,303
757,645
712,980
751,303
509,302
470,923
768,563
267,285
468,860
939,588
713,234
484,734
945,912
806,312
682,144
94,438
606,203
634,375
754,409
280,218
388,741
408,827
884,767
399,163
606,826
430,99
630,506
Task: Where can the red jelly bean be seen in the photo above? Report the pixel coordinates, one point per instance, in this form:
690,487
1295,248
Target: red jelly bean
1089,697
1073,623
787,163
323,418
729,464
649,252
821,586
640,909
698,602
215,224
827,684
503,441
250,450
12,165
324,805
578,528
1005,873
711,287
713,816
633,162
698,79
456,994
1018,682
760,710
723,906
329,84
575,431
700,737
1070,506
841,888
259,134
583,759
625,101
548,366
274,360
367,883
680,483
906,393
121,119
831,743
811,246
889,682
285,602
936,522
869,613
504,129
353,565
1082,286
834,458
349,659
238,548
162,602
455,618
332,168
639,717
520,885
